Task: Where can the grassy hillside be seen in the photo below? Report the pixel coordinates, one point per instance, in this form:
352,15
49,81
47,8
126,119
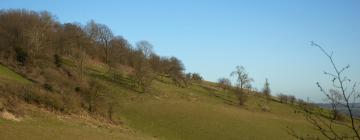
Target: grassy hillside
201,111
44,126
194,114
73,81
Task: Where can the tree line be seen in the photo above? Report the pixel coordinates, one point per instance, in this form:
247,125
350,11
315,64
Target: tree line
28,37
56,56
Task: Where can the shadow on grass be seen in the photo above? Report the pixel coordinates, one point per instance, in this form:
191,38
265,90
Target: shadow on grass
211,92
124,82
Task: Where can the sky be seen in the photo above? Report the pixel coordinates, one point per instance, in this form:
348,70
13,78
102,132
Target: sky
270,38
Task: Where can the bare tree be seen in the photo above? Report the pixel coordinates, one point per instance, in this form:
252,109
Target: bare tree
142,72
37,34
224,83
266,90
105,37
146,48
174,68
81,58
76,41
243,81
292,99
92,30
94,95
283,98
240,94
342,93
120,50
196,77
242,77
101,34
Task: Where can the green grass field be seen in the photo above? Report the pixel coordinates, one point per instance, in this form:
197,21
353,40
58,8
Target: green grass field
47,126
178,119
199,112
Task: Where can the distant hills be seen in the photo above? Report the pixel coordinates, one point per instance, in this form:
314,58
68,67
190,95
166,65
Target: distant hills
343,109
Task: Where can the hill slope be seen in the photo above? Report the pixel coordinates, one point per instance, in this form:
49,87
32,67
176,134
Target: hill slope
201,111
69,81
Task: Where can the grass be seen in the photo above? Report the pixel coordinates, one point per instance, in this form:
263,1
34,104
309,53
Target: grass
202,113
199,112
7,75
44,127
180,119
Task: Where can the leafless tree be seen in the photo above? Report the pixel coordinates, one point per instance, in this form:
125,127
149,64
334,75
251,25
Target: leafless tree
224,83
242,77
102,34
342,93
76,42
266,90
243,82
174,68
283,98
105,37
241,95
120,50
196,77
292,99
142,72
92,30
37,34
94,95
146,48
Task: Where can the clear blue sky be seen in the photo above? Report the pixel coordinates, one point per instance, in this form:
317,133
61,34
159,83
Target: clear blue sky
270,38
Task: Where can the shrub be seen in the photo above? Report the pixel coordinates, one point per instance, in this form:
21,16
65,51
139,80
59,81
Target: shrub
77,89
48,87
224,83
196,77
57,60
240,93
33,95
21,55
283,98
292,99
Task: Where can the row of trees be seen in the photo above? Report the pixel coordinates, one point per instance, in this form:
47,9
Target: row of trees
283,98
28,37
194,77
38,46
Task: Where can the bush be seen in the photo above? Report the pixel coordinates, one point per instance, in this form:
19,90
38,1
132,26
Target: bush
36,95
21,55
57,60
196,77
48,87
292,99
240,93
283,98
77,89
224,83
